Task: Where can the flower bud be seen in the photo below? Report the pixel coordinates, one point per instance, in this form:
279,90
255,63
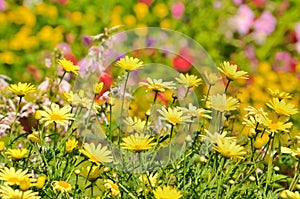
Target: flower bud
37,115
98,88
25,183
40,181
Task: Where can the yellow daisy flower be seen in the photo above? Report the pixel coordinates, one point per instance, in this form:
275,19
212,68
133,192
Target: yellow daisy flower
2,145
158,85
276,125
173,116
277,94
97,88
79,99
21,89
17,154
222,103
229,149
97,154
293,152
92,174
137,142
129,63
61,186
281,107
289,194
230,71
189,81
214,137
56,114
71,144
134,124
68,66
195,112
25,183
12,177
68,97
152,178
261,140
255,112
34,137
166,192
211,78
40,182
6,192
109,184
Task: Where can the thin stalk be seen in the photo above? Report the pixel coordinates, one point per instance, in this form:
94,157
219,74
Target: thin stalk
88,175
122,106
227,85
208,91
187,92
90,110
56,91
17,111
220,180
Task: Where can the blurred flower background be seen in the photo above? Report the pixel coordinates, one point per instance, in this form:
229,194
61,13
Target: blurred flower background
43,145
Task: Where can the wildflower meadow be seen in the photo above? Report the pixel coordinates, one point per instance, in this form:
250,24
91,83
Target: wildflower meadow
145,99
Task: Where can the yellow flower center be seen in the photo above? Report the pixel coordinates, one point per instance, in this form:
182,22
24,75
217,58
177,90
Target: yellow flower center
13,180
274,126
64,184
56,117
281,111
174,120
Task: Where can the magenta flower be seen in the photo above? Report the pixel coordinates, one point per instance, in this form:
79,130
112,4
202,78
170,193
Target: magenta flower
264,26
237,2
283,61
177,10
243,20
3,5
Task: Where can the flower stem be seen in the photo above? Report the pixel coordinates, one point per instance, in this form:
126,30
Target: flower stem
122,106
220,180
88,175
187,92
227,85
89,114
172,128
56,90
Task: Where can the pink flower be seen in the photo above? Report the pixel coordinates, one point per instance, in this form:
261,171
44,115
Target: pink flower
266,23
264,26
3,5
284,61
250,53
237,2
65,48
177,10
243,20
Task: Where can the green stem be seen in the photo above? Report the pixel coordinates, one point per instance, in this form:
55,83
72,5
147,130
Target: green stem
220,180
227,85
17,111
110,118
187,92
155,97
57,89
88,175
89,114
295,178
122,106
208,91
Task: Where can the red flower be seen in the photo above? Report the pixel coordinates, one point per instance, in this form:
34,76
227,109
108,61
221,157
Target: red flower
183,61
